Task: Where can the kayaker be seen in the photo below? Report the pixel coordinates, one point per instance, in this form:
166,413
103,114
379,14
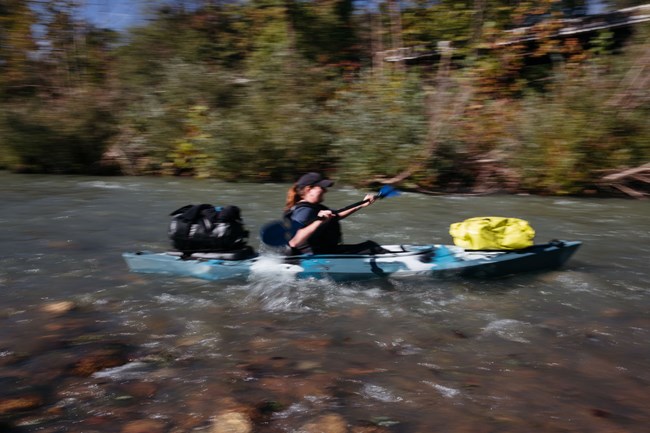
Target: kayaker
319,229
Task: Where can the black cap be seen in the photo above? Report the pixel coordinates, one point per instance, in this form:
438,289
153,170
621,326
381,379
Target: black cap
314,179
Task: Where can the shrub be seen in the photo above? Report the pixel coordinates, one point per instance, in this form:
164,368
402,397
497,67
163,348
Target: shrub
65,135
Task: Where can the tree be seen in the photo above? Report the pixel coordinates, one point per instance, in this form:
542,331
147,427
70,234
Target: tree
17,45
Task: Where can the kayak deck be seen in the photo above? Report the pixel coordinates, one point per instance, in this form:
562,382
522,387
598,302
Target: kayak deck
403,261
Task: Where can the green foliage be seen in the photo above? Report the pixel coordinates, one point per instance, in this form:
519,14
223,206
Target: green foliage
16,44
276,128
426,23
265,89
66,135
153,123
325,31
602,44
270,142
188,156
379,126
569,137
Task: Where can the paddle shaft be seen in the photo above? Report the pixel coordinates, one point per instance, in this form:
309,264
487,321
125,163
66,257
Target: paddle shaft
359,203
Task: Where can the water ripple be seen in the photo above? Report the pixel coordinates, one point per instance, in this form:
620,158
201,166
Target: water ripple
376,392
508,329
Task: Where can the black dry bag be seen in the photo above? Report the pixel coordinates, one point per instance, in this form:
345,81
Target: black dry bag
204,228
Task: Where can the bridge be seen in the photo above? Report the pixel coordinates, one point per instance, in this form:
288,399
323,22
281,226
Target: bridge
545,29
574,26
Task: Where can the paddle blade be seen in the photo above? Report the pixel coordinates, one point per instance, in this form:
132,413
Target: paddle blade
274,234
387,191
278,233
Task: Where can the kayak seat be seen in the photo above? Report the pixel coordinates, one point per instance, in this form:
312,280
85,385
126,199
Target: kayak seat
427,256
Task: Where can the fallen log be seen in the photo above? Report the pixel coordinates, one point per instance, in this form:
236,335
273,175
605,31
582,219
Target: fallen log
633,182
628,172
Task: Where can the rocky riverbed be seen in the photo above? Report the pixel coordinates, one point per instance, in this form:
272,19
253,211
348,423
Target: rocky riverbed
74,369
77,370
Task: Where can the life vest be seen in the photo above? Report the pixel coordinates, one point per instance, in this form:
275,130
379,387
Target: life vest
204,228
326,237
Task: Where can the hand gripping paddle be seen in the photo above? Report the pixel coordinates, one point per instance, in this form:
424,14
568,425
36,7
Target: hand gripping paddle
278,233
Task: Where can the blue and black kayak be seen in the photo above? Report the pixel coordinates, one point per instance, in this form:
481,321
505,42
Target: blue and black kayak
401,261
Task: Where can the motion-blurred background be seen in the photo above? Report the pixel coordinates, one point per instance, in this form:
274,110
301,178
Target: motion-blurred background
544,96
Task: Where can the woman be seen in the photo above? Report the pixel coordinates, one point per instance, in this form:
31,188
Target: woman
319,230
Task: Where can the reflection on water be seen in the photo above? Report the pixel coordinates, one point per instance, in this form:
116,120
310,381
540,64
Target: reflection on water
558,351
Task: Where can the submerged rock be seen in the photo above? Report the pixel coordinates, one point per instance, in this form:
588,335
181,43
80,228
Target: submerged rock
108,356
329,423
144,426
370,429
58,307
20,403
232,422
140,389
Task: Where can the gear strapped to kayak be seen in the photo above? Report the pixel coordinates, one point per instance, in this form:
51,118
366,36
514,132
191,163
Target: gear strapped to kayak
205,228
492,233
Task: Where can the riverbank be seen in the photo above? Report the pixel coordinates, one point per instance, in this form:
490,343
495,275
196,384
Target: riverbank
629,182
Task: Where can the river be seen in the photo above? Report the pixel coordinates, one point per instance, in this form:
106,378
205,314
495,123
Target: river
86,346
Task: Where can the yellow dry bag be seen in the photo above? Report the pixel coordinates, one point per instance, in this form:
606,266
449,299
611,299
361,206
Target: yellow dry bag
492,233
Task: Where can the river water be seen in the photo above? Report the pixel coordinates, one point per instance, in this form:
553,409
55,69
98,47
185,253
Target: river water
560,351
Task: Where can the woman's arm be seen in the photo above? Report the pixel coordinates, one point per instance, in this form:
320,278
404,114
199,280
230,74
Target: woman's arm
370,200
304,233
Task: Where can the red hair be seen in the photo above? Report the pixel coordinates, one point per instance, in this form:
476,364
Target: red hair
294,195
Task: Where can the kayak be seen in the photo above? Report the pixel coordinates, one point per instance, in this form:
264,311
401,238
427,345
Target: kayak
401,261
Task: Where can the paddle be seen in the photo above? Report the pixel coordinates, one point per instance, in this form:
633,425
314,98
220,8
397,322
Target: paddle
278,233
